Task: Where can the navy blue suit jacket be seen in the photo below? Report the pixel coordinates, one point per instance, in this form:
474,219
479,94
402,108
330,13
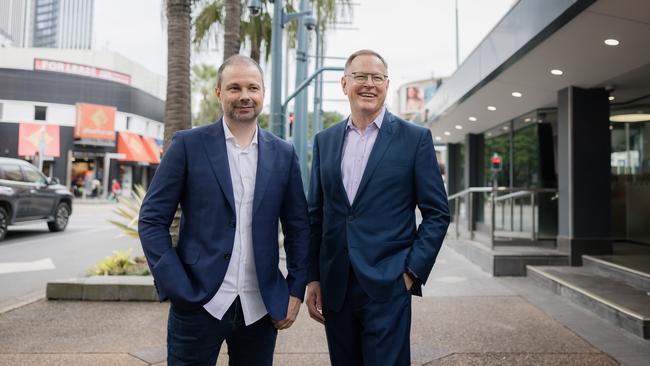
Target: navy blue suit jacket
376,235
195,173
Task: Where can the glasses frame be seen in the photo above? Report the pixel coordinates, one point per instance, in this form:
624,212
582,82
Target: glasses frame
354,75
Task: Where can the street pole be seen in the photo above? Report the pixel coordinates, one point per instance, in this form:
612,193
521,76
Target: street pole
276,117
301,115
457,43
316,124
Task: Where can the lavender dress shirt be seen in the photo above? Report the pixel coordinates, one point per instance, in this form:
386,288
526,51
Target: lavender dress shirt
356,150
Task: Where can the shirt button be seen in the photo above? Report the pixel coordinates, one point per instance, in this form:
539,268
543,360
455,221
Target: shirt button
233,223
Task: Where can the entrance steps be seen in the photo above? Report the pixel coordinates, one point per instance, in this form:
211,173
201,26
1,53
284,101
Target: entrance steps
510,260
616,288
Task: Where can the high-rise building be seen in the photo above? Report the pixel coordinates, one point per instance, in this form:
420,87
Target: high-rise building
63,23
16,22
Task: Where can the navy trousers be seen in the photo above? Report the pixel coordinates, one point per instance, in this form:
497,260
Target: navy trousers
194,337
366,332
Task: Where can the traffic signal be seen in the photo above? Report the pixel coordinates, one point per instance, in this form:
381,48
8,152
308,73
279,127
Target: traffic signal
496,162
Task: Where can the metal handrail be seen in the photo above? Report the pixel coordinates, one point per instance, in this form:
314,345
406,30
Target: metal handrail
516,193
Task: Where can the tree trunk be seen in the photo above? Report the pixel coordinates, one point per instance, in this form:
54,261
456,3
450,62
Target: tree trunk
178,115
231,37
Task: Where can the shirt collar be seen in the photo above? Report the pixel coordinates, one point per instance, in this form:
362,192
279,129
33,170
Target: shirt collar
377,121
230,136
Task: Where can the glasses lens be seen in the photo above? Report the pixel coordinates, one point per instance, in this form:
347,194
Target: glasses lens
362,78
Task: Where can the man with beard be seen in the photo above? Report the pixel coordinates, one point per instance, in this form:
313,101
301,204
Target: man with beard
234,182
369,173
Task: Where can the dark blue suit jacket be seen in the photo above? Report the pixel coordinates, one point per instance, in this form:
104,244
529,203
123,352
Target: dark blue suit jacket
376,235
194,172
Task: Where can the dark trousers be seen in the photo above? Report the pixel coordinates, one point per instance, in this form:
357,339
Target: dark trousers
194,337
367,332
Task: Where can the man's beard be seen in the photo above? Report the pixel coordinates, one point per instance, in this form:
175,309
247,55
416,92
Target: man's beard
245,117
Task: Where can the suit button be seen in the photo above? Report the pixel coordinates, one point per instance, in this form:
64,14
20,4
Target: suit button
350,217
226,256
345,250
233,223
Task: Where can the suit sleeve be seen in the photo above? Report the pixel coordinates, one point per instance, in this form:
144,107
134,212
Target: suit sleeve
315,203
295,227
431,199
156,215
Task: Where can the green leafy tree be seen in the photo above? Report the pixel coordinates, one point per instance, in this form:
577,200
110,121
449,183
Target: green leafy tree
204,82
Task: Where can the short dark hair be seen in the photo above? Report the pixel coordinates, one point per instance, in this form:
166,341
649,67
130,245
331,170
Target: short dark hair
364,53
238,60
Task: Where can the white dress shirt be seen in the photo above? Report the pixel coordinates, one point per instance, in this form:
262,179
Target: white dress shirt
241,276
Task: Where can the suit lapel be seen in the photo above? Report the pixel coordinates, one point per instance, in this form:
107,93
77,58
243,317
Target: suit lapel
266,154
214,142
338,157
384,137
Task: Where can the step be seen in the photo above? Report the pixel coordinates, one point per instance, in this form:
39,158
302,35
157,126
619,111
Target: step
633,269
623,305
506,260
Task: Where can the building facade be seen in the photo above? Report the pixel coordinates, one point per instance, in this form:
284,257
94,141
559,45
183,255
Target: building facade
547,129
82,115
63,24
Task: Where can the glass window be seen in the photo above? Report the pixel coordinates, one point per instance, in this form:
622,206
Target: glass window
497,142
40,113
33,176
525,157
1,111
11,172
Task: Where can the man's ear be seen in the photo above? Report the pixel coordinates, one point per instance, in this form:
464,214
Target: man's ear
344,84
217,92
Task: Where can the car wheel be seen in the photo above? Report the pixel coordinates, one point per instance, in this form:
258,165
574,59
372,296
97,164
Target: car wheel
4,222
61,217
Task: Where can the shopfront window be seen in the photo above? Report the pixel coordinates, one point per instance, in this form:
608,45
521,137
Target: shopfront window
630,171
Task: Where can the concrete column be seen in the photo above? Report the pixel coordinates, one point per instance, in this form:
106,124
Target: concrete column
583,173
453,171
473,171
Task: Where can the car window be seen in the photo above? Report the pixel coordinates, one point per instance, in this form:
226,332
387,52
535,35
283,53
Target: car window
33,176
11,172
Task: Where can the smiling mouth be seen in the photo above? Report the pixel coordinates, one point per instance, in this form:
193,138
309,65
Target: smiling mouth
368,95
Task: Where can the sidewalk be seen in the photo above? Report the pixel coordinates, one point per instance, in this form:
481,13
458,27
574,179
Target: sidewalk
465,318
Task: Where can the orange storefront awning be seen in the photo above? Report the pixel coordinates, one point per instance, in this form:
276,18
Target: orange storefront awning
34,136
152,148
133,148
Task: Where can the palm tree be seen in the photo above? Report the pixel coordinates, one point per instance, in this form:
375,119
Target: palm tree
257,29
178,115
231,38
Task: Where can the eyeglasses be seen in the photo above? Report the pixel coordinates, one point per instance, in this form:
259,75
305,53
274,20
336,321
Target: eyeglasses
362,77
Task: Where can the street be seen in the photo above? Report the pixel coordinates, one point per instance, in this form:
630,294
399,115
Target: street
30,256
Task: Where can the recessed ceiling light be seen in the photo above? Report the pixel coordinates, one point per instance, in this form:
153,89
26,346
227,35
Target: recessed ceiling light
447,133
516,94
473,119
459,127
492,108
527,119
612,42
611,97
438,138
489,134
505,128
557,72
634,117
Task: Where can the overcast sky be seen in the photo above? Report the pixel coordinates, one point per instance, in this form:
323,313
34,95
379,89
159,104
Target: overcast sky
416,37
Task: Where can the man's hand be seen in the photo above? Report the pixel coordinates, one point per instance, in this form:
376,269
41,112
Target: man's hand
407,281
292,314
314,303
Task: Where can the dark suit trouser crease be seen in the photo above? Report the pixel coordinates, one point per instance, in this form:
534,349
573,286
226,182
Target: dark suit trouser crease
194,337
367,332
